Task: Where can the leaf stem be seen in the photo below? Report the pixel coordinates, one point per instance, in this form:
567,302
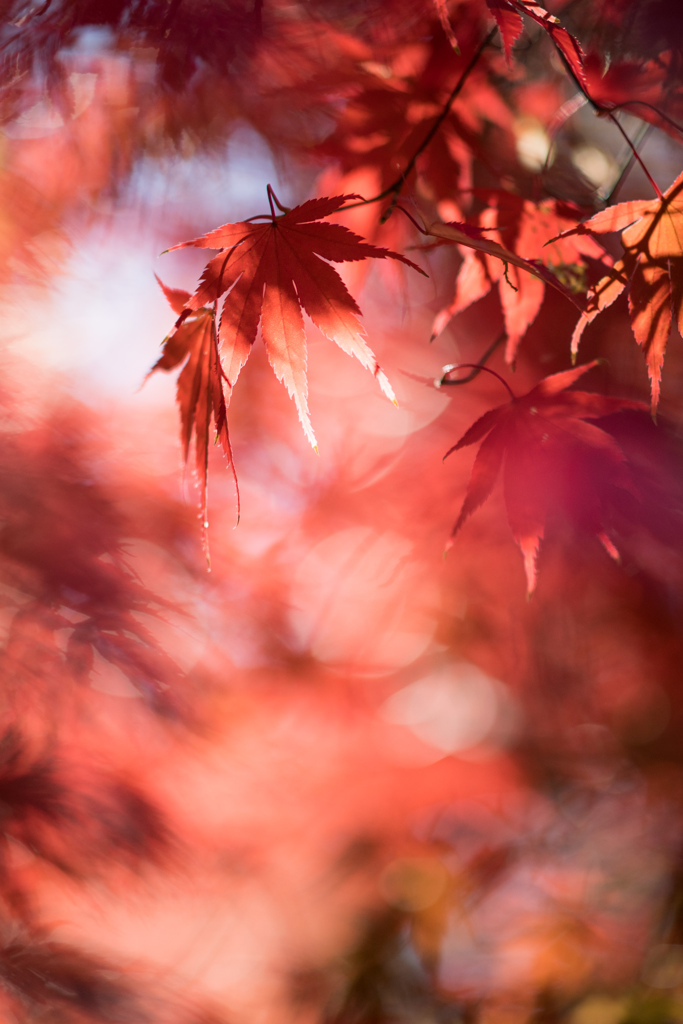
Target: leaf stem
478,367
650,106
505,275
272,197
609,113
412,220
646,129
636,154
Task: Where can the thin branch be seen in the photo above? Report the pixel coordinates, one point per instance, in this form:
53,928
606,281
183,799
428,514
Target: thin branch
479,368
412,220
396,186
636,154
646,129
505,275
476,368
608,112
455,92
650,106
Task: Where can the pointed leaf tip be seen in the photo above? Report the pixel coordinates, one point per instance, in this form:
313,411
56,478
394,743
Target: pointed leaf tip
537,441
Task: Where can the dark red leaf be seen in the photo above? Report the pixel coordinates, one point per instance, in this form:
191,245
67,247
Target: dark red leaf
538,440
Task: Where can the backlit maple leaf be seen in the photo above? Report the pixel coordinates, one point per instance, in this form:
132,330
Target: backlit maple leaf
508,17
508,20
652,268
640,87
551,458
200,385
566,44
390,112
274,271
523,229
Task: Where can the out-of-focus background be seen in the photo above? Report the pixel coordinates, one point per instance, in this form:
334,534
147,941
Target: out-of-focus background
340,777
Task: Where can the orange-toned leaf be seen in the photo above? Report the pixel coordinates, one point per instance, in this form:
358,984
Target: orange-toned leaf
652,267
521,234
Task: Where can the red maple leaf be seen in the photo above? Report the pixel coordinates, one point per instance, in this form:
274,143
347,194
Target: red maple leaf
515,255
566,44
641,87
508,20
508,17
652,269
272,272
200,386
551,458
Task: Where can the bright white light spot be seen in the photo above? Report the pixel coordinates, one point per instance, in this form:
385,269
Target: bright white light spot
597,167
360,595
533,145
453,709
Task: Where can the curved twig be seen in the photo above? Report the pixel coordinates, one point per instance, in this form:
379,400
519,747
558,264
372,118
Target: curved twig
476,369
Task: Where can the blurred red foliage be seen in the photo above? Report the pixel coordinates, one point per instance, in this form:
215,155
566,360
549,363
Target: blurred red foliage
341,777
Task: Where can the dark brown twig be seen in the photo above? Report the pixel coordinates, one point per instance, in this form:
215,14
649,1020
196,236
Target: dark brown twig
396,186
475,368
479,367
